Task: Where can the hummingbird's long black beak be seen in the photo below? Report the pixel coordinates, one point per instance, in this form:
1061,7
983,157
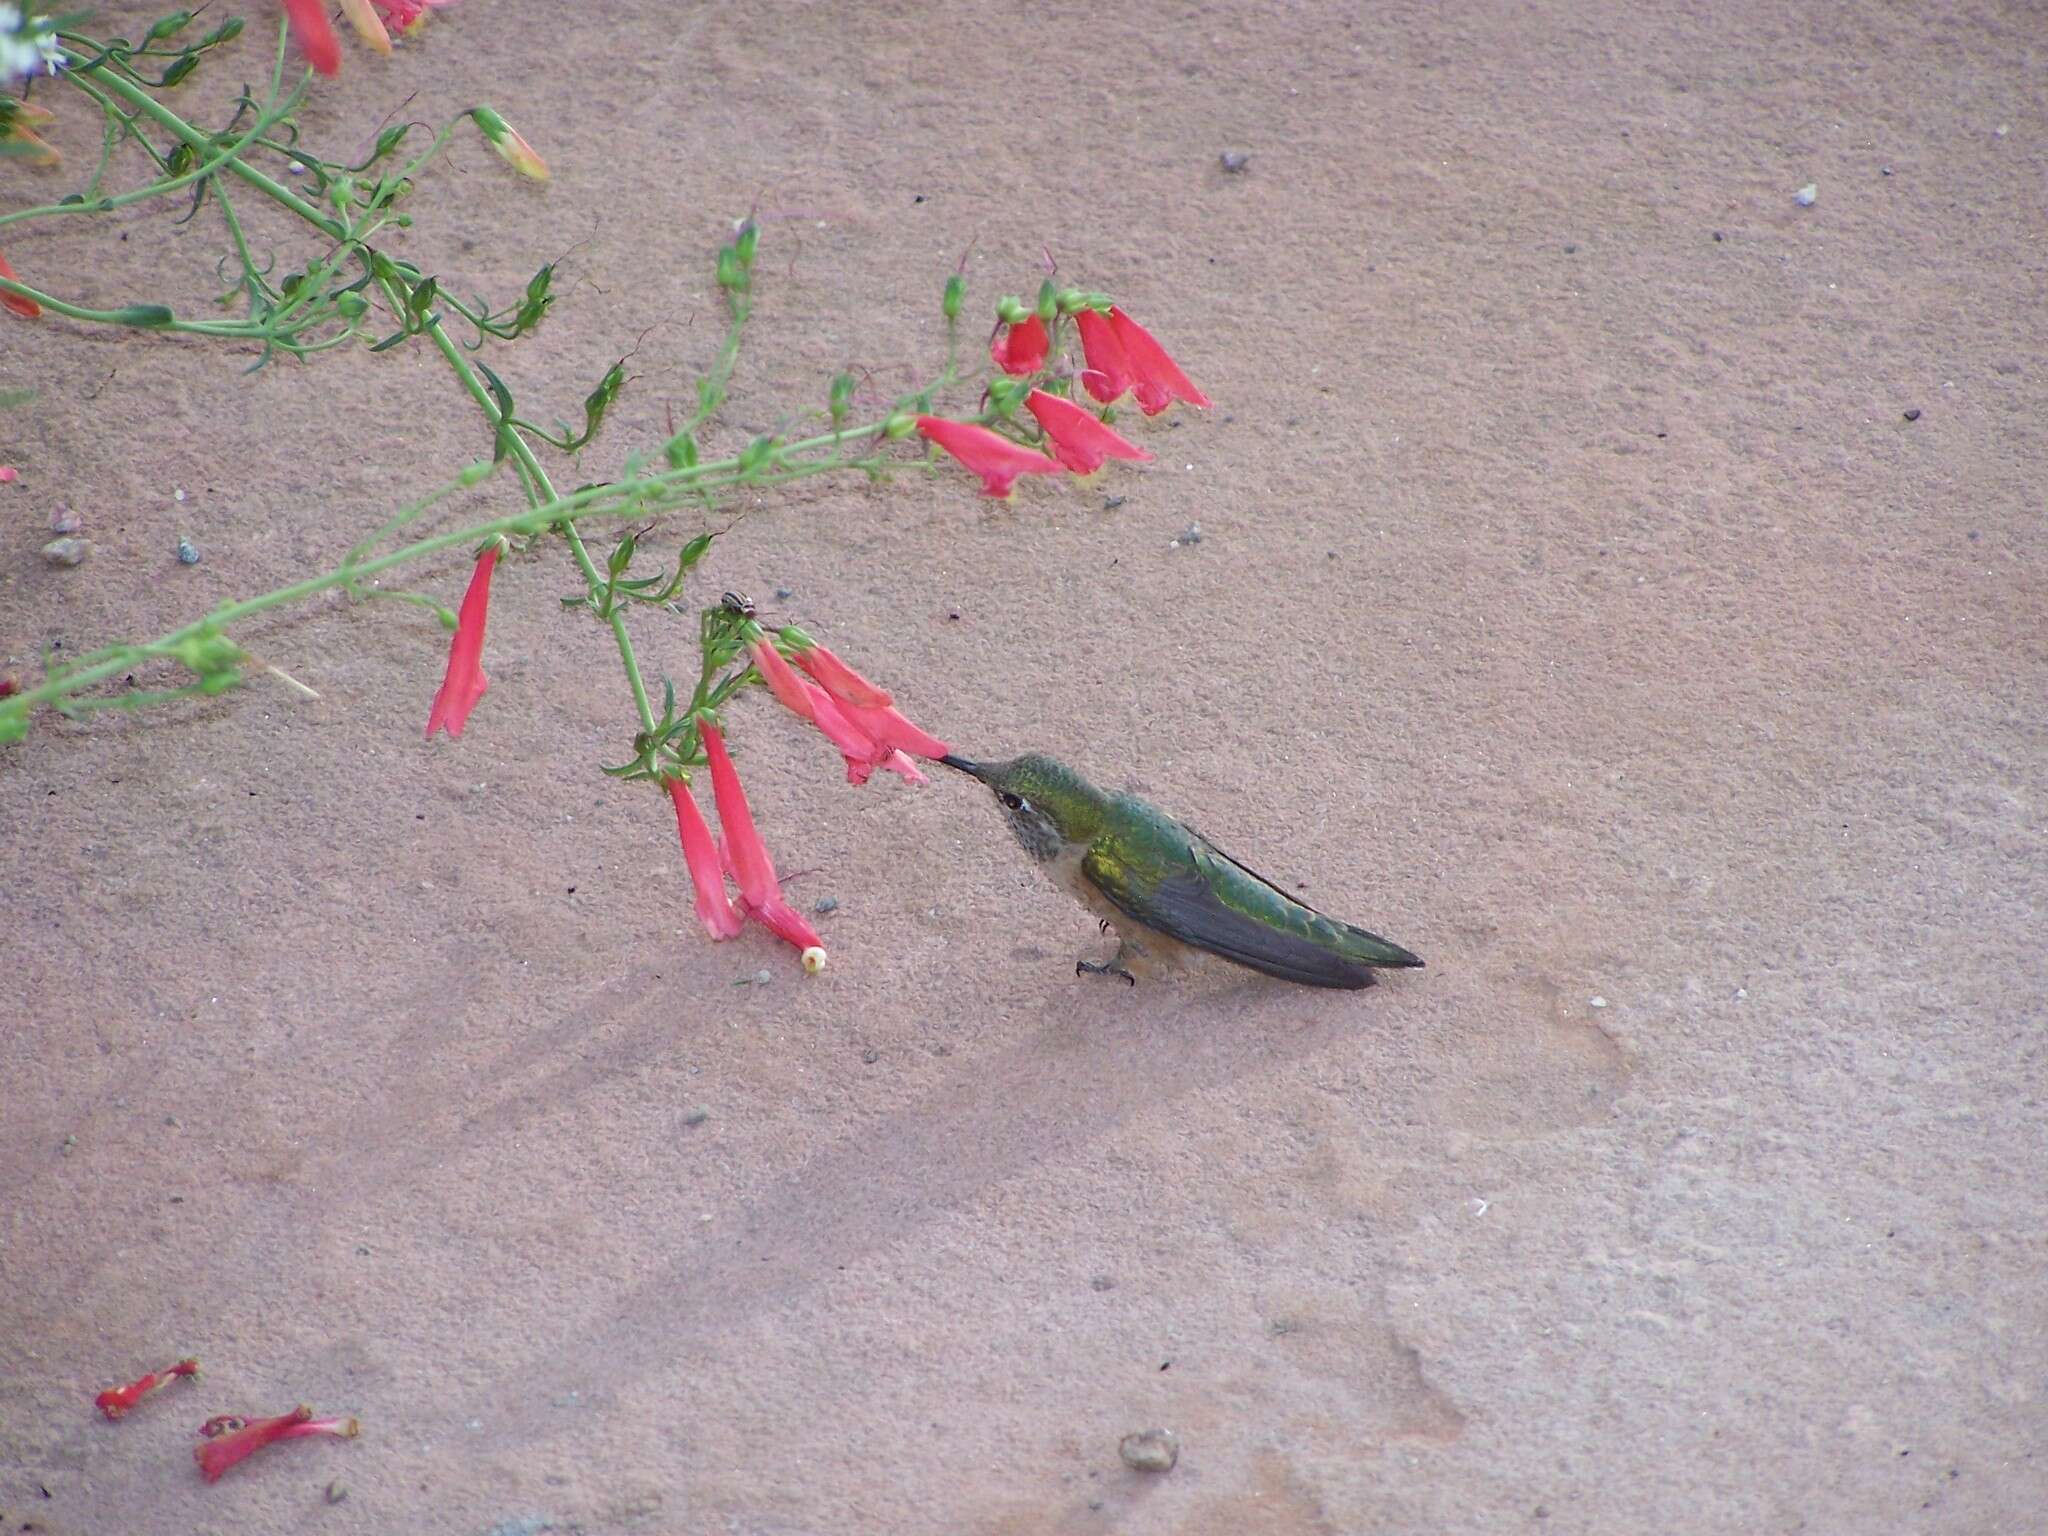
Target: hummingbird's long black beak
971,769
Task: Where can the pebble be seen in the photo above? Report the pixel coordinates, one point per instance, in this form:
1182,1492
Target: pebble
67,551
1150,1450
1111,503
871,1056
64,520
1913,413
1599,1002
825,904
335,1492
784,594
697,1115
762,978
188,552
294,168
1805,196
1235,160
1192,534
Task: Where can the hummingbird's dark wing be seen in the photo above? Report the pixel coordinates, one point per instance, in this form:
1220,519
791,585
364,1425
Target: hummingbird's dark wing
1215,903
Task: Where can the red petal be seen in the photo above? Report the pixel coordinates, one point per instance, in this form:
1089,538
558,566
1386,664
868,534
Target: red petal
990,455
840,680
1158,378
714,910
787,924
890,729
1079,438
1021,348
315,34
1108,375
28,309
464,682
787,687
751,865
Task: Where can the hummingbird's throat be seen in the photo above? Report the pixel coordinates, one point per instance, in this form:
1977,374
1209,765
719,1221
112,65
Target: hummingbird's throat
1035,830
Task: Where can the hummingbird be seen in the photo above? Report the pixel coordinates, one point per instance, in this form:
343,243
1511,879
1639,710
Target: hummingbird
1167,889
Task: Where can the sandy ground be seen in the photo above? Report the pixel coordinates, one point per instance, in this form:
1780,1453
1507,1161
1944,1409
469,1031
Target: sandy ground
1574,604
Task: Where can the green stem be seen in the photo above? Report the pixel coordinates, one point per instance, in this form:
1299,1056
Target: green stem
541,491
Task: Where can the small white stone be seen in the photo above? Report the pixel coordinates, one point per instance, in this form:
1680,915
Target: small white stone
1805,196
178,495
1598,1002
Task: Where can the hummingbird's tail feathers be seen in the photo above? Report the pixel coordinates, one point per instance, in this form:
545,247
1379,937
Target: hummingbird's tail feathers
1211,907
1371,949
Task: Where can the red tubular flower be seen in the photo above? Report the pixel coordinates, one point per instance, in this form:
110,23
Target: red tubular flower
700,853
1020,348
315,34
988,454
368,24
231,1439
806,700
28,309
1108,374
891,730
406,15
464,683
838,679
760,892
1080,440
1156,377
116,1401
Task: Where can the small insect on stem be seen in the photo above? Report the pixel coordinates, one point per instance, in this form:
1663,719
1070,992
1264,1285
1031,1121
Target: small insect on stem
739,603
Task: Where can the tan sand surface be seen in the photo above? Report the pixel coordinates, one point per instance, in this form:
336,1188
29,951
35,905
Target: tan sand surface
1574,604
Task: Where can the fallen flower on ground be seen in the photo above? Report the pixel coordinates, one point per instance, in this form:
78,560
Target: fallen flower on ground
230,1438
117,1401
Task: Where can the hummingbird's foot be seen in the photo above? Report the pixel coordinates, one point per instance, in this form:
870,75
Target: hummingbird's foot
1102,926
1090,968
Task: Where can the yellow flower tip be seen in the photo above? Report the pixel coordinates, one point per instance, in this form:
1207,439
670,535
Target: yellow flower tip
514,150
814,960
369,26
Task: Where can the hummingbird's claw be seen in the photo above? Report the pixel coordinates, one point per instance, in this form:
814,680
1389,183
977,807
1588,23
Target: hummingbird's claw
1102,926
1090,968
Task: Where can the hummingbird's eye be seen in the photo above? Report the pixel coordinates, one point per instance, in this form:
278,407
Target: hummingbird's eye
1010,801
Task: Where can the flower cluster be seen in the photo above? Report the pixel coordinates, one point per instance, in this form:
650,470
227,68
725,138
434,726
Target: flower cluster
373,20
855,715
28,45
1121,358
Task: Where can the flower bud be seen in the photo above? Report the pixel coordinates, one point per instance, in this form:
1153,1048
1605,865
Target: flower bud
956,292
900,424
1011,311
1048,300
842,399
